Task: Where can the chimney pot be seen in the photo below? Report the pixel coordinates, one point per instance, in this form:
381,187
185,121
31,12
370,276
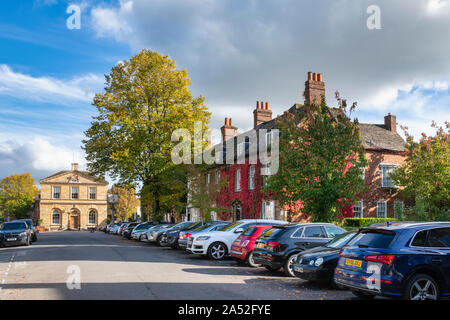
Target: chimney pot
267,106
230,122
257,104
315,76
226,121
310,77
319,77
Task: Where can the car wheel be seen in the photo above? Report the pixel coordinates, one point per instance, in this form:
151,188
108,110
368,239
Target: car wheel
364,295
250,261
422,287
288,265
217,251
161,242
140,238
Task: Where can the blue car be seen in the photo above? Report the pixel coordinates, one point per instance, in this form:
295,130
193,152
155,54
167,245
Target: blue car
404,260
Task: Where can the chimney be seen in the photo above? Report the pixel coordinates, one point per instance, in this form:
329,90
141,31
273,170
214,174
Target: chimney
228,131
74,166
261,114
390,122
314,88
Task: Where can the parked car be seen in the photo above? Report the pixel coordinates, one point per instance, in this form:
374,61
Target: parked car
15,233
318,264
139,231
210,226
113,229
278,247
408,260
242,248
34,232
152,234
217,244
172,236
162,234
127,231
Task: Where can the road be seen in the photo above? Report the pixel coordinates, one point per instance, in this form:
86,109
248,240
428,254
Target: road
110,267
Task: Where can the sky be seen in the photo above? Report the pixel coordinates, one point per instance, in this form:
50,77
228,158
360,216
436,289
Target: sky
236,52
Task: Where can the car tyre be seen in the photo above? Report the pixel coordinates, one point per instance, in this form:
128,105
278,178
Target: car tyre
217,251
422,287
288,265
364,295
250,261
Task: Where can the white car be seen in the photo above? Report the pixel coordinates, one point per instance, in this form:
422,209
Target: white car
216,244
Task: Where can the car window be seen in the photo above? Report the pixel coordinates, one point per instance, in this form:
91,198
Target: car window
271,233
420,239
314,232
340,240
298,233
373,239
217,227
439,238
333,231
249,231
229,226
14,226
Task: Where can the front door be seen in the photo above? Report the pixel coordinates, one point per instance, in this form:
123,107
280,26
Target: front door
74,222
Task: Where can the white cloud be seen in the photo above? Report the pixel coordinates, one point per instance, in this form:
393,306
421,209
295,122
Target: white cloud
48,89
437,6
109,22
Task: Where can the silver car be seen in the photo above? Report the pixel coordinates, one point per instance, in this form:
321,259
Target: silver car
211,226
139,231
153,233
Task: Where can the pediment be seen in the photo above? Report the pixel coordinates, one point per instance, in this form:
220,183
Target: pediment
73,177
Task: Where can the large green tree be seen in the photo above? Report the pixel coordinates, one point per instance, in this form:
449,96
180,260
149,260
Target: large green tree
17,194
146,98
425,175
127,201
321,158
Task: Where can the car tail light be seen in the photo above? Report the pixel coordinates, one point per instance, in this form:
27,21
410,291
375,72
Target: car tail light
187,235
383,258
272,245
340,252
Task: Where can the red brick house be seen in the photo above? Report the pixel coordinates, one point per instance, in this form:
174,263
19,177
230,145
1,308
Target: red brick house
385,149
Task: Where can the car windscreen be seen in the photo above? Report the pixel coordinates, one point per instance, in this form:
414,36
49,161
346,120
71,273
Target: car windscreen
192,226
340,240
272,232
201,228
13,226
229,226
29,223
143,226
373,239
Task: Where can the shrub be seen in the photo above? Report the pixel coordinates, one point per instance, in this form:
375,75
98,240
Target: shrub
364,222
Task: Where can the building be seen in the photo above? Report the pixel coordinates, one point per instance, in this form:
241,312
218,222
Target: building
385,150
72,200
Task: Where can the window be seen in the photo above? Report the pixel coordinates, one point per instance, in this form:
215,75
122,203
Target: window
268,210
237,181
208,178
381,209
333,231
213,215
314,232
92,193
92,217
358,210
386,181
363,174
56,192
439,238
298,233
372,239
56,217
268,139
217,176
420,239
74,192
265,169
240,149
251,178
399,208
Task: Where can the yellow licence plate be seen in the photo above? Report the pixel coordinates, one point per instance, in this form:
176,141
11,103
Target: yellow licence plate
353,263
260,245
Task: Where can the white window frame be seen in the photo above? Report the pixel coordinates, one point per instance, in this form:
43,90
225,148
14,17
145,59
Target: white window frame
251,178
237,180
89,217
90,193
384,178
53,192
72,193
359,205
268,210
56,213
208,178
380,205
268,138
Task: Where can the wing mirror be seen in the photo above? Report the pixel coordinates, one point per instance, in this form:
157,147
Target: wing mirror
239,230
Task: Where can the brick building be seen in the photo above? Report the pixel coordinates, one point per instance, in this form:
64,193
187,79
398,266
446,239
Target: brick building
385,149
71,200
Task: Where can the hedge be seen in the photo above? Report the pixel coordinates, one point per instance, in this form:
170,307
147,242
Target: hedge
364,222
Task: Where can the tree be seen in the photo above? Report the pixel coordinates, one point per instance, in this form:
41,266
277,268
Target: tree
321,158
17,193
145,100
425,175
203,192
127,201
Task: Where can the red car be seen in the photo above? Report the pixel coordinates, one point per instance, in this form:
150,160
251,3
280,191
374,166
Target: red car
242,248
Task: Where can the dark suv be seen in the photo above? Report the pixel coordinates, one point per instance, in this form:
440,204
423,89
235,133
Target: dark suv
279,246
409,260
15,233
34,232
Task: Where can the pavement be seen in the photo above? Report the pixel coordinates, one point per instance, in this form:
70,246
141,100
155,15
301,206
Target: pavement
83,265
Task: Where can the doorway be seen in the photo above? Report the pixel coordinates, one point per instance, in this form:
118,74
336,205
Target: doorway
237,210
74,221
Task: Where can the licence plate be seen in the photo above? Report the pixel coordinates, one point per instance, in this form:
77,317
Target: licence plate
353,263
298,269
11,239
260,245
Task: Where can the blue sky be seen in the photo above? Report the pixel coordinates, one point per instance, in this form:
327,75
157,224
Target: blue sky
236,52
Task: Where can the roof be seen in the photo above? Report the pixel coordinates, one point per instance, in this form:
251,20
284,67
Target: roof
82,173
377,137
406,225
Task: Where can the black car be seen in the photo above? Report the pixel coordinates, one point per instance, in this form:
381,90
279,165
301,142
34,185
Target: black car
170,237
15,233
279,246
127,232
318,264
34,232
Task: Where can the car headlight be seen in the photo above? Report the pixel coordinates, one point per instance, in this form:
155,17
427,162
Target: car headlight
318,262
203,238
23,234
